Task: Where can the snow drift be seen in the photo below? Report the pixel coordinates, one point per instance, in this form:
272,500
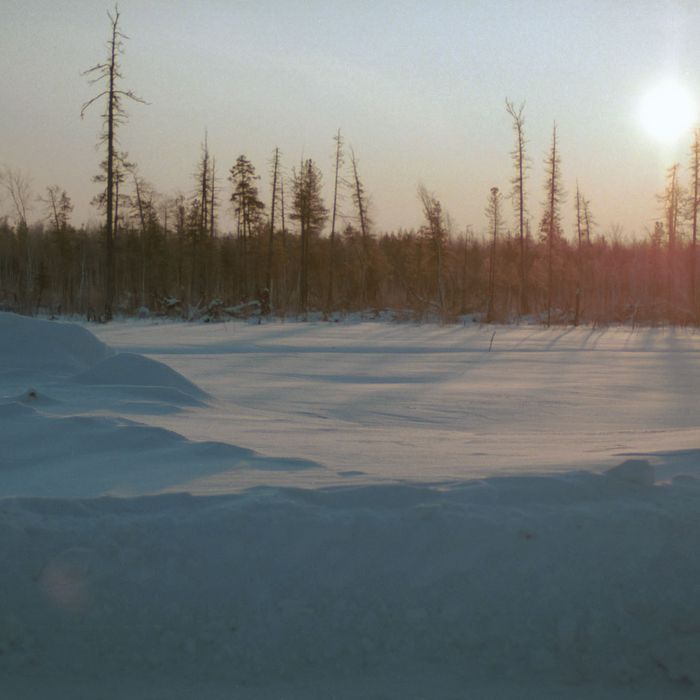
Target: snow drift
129,369
47,346
578,578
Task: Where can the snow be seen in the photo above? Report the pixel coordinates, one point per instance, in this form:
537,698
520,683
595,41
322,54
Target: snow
348,510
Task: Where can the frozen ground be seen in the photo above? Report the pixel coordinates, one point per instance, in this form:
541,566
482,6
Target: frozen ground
348,510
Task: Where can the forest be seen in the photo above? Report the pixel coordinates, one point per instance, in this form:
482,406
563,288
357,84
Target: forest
297,254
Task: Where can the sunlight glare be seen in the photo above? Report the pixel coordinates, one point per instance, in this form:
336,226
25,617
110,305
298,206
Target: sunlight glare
668,111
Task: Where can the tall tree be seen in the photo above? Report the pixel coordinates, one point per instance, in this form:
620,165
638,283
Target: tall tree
671,201
109,72
309,211
204,187
367,282
213,199
201,232
493,213
18,186
144,209
271,238
579,252
336,181
58,207
551,221
283,292
436,232
694,207
248,208
518,193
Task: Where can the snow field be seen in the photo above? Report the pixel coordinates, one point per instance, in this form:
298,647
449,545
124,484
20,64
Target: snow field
284,511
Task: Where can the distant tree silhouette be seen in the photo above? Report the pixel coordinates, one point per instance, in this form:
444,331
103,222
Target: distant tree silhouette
672,202
493,212
551,221
308,209
579,253
693,212
518,193
271,237
367,273
435,231
248,209
339,159
17,185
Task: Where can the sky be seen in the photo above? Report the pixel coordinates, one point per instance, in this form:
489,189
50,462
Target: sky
417,89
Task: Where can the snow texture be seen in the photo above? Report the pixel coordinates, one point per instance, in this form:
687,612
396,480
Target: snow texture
142,554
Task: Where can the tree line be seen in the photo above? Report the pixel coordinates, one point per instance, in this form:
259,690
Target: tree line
297,254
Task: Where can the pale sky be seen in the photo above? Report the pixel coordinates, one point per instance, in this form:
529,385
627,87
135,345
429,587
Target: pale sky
417,88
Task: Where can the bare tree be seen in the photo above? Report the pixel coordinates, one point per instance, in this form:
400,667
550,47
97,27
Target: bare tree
283,291
435,231
18,187
271,239
493,212
58,207
359,197
551,221
109,72
518,193
331,255
671,201
694,207
213,200
579,253
204,186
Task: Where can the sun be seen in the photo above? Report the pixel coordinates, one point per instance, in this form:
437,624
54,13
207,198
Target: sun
668,111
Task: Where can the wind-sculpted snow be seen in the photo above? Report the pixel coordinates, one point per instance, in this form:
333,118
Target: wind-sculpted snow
577,578
68,434
47,346
129,369
80,456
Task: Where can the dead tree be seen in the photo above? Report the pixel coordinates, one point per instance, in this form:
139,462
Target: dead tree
551,221
109,72
694,207
360,199
493,212
518,194
331,255
271,238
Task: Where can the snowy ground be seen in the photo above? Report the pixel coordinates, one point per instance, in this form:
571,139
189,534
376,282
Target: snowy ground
348,510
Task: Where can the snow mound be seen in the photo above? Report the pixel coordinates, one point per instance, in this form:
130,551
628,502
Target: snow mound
633,471
491,579
130,369
29,343
84,456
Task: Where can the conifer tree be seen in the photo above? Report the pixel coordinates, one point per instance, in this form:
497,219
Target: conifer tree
309,211
518,194
551,221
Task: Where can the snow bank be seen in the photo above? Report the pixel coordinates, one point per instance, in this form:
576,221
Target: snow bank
29,343
130,369
574,578
82,456
64,447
